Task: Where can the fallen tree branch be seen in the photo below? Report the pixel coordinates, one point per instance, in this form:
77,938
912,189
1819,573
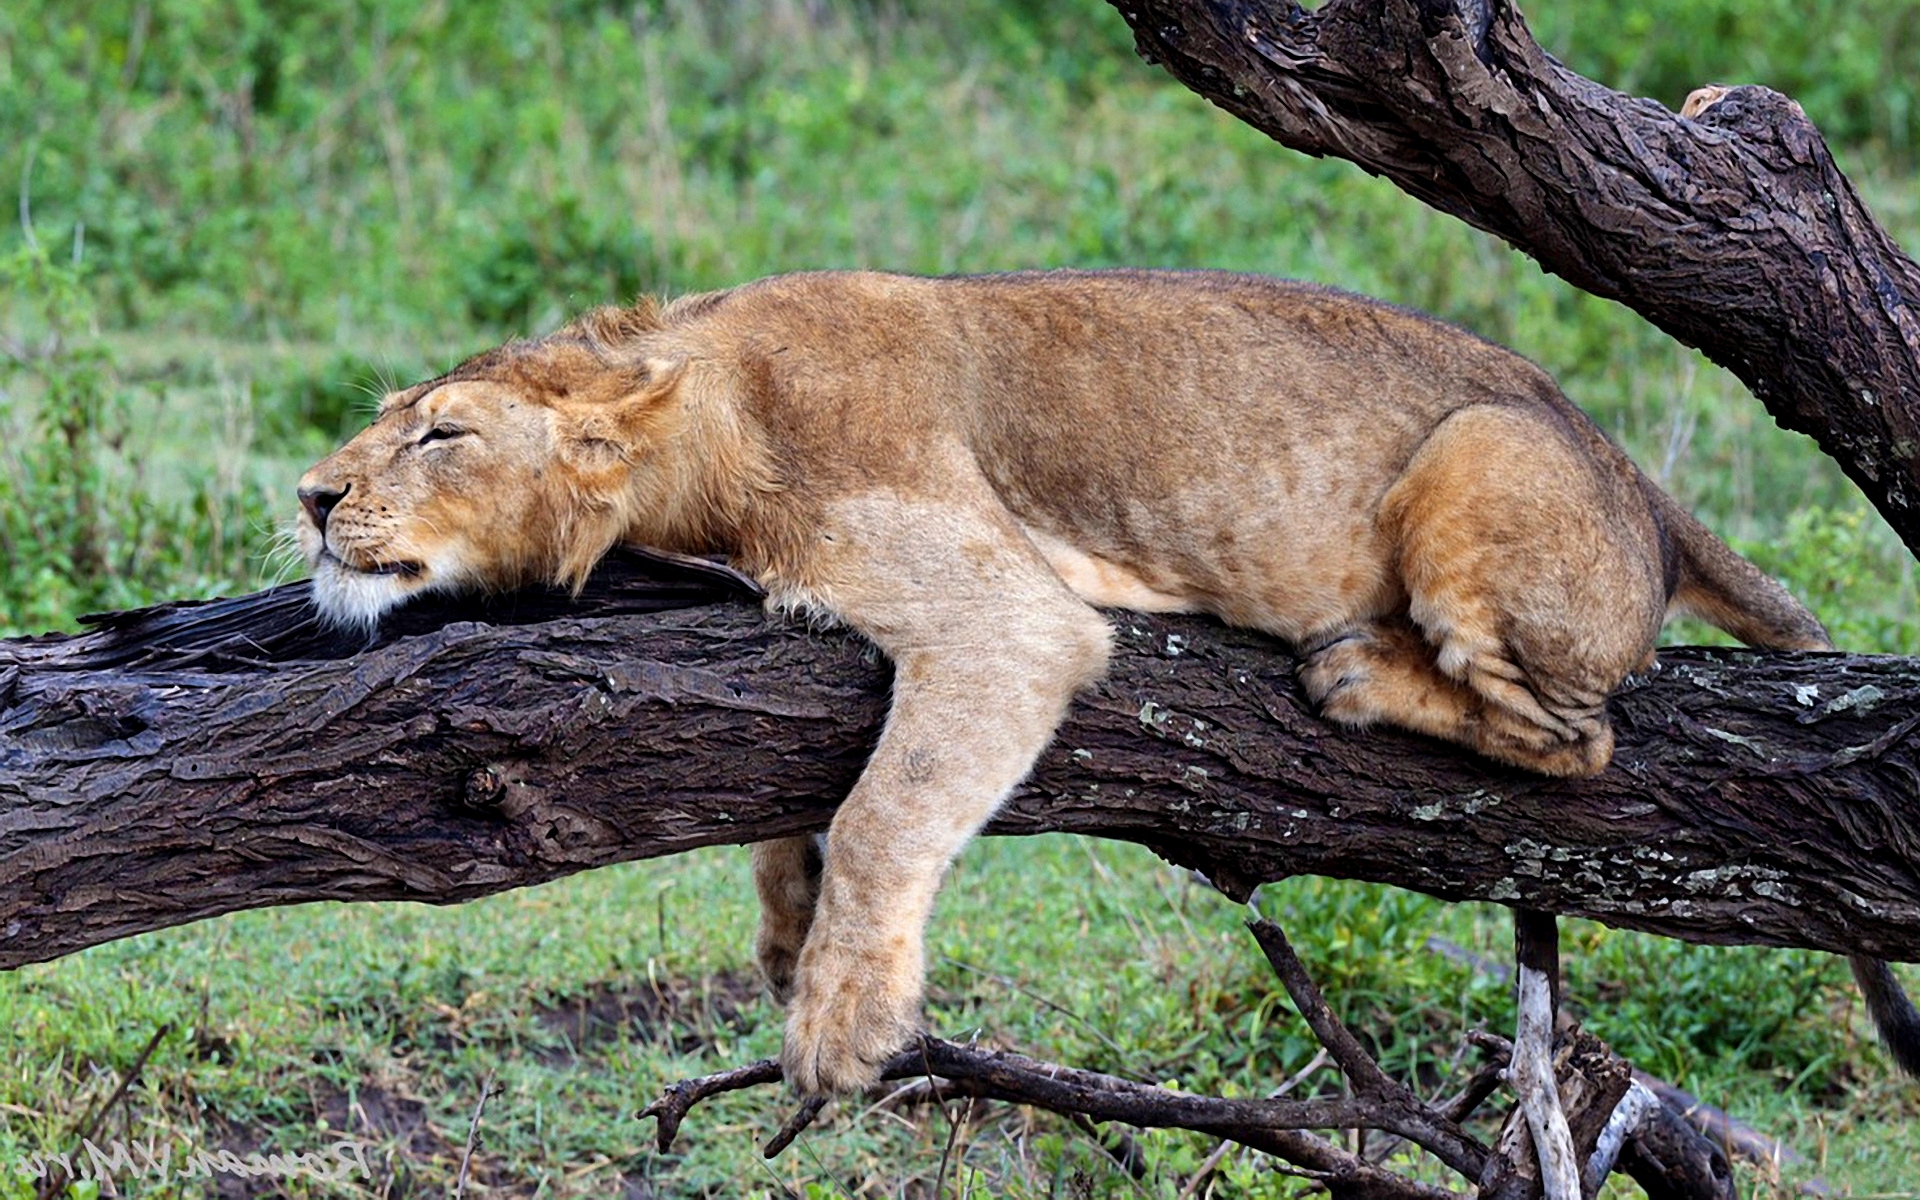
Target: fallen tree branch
196,760
1731,229
1604,1112
1014,1078
1723,1131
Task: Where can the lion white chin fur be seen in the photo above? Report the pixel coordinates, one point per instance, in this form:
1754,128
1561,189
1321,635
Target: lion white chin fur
355,601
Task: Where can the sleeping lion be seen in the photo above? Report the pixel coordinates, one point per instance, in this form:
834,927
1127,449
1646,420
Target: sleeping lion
966,470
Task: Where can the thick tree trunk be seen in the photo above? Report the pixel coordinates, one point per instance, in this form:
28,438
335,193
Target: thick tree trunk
1731,228
203,759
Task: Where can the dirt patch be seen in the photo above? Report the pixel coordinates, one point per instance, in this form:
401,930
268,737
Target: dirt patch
407,1155
399,1140
680,1014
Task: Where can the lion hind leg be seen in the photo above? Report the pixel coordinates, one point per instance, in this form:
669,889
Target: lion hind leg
1387,672
1384,672
1532,571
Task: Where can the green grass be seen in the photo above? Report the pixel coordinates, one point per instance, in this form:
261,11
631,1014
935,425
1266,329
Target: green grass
251,219
580,999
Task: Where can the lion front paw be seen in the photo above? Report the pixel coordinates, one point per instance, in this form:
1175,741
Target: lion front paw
850,1013
776,949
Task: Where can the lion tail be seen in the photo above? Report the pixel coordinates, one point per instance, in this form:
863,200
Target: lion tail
1730,593
1893,1013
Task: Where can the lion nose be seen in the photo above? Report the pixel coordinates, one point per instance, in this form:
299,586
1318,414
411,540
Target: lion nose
319,501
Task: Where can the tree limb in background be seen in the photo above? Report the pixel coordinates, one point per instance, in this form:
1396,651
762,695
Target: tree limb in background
1730,228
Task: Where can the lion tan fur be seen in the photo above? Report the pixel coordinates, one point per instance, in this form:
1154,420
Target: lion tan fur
963,469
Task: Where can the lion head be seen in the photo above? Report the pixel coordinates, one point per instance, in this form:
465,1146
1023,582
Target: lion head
523,465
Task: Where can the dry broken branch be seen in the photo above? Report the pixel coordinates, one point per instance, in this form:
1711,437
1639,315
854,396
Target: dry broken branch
1070,1091
1605,1115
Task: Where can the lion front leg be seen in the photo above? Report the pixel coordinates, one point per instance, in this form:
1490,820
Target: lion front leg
957,742
988,647
786,877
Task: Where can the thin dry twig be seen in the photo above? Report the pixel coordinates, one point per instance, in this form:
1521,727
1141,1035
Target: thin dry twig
1117,1144
1208,1166
795,1125
1480,1085
56,1180
473,1137
678,1100
1220,1152
1395,1108
953,1138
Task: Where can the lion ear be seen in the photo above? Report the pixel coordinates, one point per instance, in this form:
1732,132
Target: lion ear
619,429
643,412
646,392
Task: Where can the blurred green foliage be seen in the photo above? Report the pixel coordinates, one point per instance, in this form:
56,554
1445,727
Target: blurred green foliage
81,529
253,166
1848,62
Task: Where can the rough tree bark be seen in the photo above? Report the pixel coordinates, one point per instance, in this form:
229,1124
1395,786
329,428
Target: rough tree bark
210,758
1731,228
